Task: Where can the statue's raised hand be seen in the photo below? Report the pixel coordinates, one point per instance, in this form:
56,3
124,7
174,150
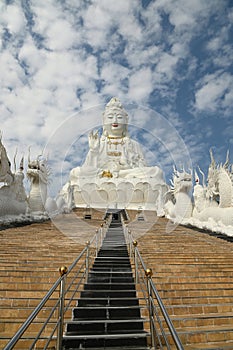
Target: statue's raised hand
94,140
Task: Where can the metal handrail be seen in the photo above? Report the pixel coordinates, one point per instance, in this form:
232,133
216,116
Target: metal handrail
156,309
63,289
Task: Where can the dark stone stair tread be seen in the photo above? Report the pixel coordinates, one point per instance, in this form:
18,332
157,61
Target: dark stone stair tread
103,313
113,307
107,286
123,334
111,270
103,327
124,271
128,272
108,321
112,341
109,301
109,293
108,312
141,334
109,279
118,348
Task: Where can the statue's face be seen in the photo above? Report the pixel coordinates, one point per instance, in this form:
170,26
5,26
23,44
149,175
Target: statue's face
115,123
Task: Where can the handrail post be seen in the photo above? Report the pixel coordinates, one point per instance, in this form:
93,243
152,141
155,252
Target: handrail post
126,233
130,243
87,259
135,243
96,242
63,271
148,274
101,233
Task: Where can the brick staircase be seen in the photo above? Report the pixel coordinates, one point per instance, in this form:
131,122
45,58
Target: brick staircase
193,272
30,257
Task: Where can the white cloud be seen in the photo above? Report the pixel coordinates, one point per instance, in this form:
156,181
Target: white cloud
45,13
13,18
11,74
140,85
113,75
31,56
185,15
60,35
214,92
166,66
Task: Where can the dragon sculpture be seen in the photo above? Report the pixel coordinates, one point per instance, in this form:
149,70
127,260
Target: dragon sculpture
38,173
6,175
211,202
13,199
215,200
178,203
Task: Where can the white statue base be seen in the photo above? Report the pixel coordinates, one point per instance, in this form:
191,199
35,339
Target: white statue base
130,193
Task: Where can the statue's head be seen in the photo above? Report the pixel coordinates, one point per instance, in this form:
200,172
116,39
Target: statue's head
115,119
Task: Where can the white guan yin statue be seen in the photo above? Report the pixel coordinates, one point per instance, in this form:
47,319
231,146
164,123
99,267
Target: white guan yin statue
114,173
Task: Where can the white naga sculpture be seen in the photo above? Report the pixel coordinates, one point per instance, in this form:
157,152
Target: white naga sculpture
114,173
38,174
178,199
14,202
212,203
215,200
13,199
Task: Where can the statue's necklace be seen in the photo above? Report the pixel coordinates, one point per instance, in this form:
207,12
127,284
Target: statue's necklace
118,141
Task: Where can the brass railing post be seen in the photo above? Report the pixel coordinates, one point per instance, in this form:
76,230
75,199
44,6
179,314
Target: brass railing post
101,233
96,242
148,274
135,243
63,271
126,234
87,259
130,243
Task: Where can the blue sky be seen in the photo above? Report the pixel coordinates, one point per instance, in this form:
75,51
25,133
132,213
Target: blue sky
169,61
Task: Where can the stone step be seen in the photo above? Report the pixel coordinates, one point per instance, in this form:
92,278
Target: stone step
106,312
193,279
225,345
26,343
109,265
132,347
199,320
192,335
124,272
21,286
113,301
109,279
104,326
109,286
137,340
198,300
199,309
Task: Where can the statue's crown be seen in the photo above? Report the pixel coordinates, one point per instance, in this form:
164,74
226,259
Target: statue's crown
115,104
